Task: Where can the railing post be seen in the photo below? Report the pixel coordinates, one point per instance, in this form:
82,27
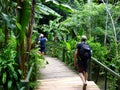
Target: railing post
63,56
105,79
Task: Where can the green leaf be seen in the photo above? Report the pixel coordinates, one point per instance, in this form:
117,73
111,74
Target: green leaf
11,68
15,76
19,26
4,77
6,18
23,88
19,71
25,14
66,7
63,7
10,84
68,46
75,31
42,9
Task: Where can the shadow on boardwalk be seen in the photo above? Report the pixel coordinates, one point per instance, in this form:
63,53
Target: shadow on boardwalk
56,76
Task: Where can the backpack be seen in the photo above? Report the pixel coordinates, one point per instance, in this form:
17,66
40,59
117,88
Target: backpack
84,51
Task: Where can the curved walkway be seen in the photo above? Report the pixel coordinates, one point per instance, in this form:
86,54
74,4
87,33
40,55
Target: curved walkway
56,76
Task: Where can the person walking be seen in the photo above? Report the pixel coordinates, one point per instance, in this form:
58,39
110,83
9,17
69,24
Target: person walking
42,41
82,55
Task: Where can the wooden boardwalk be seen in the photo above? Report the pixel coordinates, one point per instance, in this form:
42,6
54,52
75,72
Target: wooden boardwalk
57,76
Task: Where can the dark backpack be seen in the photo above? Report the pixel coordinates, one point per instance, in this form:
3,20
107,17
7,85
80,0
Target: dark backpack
84,51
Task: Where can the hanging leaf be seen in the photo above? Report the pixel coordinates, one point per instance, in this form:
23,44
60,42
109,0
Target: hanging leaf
6,18
63,7
68,46
75,31
4,77
66,7
11,68
10,84
19,26
42,9
25,14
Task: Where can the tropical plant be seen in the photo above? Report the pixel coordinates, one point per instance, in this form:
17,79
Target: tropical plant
10,73
7,17
55,29
50,10
39,62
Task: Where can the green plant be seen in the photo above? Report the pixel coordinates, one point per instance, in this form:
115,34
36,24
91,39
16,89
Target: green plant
10,73
98,51
39,62
54,49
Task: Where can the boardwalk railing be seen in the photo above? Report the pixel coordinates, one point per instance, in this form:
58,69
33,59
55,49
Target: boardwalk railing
25,83
107,73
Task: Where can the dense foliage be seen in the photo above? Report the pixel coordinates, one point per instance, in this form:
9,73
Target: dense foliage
63,22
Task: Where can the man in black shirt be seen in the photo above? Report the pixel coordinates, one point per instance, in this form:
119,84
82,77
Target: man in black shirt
82,60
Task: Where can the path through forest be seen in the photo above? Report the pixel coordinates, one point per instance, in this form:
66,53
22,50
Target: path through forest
58,76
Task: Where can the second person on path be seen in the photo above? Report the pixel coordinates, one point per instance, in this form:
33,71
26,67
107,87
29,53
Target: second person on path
42,41
81,59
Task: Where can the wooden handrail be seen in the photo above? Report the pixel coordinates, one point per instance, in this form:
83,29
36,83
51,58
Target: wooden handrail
29,73
106,68
106,71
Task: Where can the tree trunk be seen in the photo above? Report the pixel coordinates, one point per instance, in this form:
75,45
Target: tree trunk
22,55
105,39
30,30
20,44
114,30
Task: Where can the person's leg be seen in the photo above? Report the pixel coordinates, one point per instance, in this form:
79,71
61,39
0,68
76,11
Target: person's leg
85,77
85,74
85,71
81,70
82,77
42,51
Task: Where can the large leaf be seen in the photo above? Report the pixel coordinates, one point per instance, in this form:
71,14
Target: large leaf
10,84
19,26
25,14
42,9
68,46
11,68
6,18
4,77
63,7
